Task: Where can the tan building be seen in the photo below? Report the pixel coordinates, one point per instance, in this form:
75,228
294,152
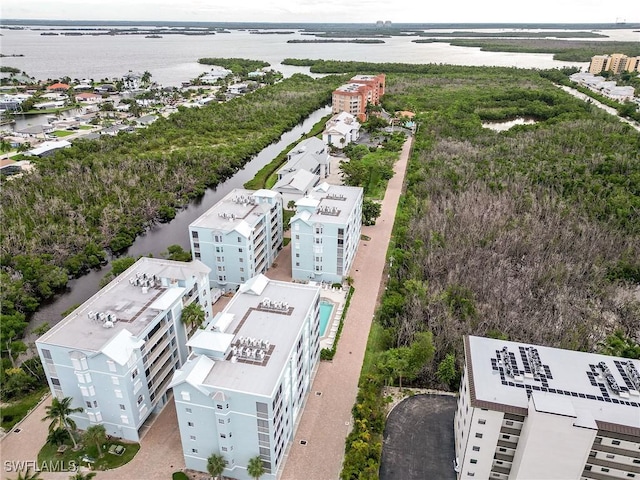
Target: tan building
616,63
530,412
354,96
598,63
633,64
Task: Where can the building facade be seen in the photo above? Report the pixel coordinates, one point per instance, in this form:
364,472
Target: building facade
341,130
615,63
116,354
242,391
325,232
239,237
354,96
530,412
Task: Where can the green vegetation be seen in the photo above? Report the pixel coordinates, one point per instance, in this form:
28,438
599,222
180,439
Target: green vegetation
530,234
238,66
49,454
61,133
16,411
515,34
179,476
330,40
564,50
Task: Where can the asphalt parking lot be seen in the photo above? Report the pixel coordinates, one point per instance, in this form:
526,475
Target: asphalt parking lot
418,439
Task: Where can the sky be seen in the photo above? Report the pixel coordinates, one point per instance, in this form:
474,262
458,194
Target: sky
332,11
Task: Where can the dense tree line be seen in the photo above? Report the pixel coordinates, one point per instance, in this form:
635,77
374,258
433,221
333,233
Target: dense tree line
239,66
532,234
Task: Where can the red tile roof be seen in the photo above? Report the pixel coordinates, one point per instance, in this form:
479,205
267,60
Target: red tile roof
58,86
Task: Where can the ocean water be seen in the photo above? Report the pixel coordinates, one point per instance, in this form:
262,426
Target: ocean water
173,58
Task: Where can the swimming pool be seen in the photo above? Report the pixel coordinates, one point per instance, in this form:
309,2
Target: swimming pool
325,315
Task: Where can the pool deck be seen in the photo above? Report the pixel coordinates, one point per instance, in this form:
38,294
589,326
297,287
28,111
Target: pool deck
337,297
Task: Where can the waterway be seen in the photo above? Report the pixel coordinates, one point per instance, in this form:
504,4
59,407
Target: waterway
156,240
174,58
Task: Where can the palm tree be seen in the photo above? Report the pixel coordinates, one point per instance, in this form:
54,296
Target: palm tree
255,469
96,434
57,436
58,412
83,476
27,475
193,315
216,464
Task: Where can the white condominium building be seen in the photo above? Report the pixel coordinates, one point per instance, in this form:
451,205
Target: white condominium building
529,412
116,353
243,388
325,232
239,237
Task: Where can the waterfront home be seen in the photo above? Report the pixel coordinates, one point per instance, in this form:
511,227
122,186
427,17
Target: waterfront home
35,131
242,391
132,81
58,87
116,353
215,74
87,97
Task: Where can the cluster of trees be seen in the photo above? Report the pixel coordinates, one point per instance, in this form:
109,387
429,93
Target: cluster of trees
216,464
529,235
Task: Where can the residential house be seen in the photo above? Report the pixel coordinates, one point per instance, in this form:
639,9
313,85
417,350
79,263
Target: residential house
341,129
239,237
58,87
325,232
295,185
311,155
46,149
530,412
215,74
116,354
132,81
243,388
87,97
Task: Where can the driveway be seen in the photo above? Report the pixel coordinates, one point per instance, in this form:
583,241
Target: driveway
418,439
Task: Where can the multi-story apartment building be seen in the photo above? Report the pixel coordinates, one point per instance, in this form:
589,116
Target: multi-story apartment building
354,96
244,386
239,237
116,354
633,64
598,63
325,232
529,412
616,63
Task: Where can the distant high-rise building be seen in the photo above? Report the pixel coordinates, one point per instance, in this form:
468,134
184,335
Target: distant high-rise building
633,64
598,63
616,63
354,96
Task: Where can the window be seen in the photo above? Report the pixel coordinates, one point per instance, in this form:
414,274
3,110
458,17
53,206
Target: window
240,250
55,381
196,245
241,268
473,460
194,234
603,469
222,435
221,421
122,407
92,390
194,450
140,399
615,442
192,437
95,403
115,380
471,474
98,417
239,239
297,255
197,255
46,354
218,406
224,449
188,410
478,435
190,424
88,404
297,237
506,437
611,456
482,421
124,419
509,423
118,393
134,374
241,260
476,448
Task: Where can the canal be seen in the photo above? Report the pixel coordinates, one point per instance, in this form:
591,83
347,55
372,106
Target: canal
156,240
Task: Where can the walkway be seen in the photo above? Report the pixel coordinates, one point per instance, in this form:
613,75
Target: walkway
326,419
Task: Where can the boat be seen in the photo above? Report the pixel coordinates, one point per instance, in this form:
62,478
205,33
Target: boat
153,36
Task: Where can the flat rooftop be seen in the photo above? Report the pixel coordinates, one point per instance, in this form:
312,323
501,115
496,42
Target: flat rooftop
126,305
280,327
333,203
503,375
237,210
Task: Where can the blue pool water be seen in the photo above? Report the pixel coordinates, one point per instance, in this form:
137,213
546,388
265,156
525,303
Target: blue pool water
325,316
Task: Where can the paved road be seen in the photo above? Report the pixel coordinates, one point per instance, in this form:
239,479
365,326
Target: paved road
418,439
326,419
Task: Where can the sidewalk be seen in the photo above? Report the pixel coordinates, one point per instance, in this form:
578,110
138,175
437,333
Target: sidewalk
326,419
